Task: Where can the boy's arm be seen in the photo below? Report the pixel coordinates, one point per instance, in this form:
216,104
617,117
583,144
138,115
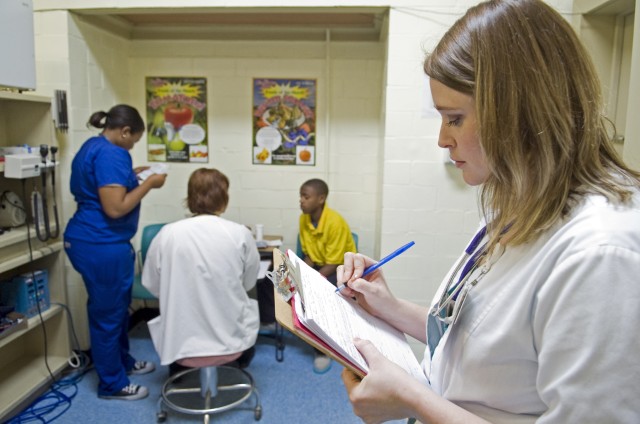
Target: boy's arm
308,261
328,269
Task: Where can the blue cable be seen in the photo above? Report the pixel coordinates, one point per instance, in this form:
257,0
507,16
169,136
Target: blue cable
54,401
49,403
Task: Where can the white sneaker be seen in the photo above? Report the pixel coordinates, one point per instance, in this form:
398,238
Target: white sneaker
142,367
321,363
130,392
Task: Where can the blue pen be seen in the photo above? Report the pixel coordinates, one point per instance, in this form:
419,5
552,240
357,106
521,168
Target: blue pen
381,262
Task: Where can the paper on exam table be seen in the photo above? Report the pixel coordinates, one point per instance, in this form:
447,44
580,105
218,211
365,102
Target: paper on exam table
264,267
268,243
338,320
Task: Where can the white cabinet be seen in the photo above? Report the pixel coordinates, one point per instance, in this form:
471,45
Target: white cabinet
27,355
17,44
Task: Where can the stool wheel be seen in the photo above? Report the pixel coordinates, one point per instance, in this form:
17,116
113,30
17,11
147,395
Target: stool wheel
258,413
161,417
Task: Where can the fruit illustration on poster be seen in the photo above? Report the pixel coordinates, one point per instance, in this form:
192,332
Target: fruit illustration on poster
178,115
263,155
176,145
154,139
304,155
158,118
157,134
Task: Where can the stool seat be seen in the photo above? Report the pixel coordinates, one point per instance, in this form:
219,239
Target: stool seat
208,390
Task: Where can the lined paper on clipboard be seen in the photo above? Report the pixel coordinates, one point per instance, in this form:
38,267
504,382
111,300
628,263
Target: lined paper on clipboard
337,320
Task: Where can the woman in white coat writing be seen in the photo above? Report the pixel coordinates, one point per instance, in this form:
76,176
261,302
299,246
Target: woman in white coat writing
537,321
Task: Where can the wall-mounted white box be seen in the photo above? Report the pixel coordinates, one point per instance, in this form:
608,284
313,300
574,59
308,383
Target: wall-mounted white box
22,166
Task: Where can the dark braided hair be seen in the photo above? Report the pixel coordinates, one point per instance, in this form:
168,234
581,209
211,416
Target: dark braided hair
119,116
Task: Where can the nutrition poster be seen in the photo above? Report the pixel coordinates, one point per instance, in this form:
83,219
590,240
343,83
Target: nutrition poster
177,119
284,121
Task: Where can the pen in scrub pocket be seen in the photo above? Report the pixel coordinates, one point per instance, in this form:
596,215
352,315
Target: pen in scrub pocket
381,262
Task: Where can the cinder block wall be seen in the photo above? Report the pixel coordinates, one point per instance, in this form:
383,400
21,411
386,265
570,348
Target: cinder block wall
376,135
349,81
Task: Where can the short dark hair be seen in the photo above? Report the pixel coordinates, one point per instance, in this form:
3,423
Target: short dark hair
119,116
207,192
317,185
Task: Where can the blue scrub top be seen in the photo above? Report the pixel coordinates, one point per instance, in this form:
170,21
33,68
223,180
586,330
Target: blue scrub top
99,163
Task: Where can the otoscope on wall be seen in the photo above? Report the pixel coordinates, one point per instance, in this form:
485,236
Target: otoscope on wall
40,200
25,164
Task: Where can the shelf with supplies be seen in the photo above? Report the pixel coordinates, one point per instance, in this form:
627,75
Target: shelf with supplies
14,249
23,369
10,100
27,355
31,323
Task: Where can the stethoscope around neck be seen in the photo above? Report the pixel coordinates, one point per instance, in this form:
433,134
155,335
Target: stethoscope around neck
452,298
448,307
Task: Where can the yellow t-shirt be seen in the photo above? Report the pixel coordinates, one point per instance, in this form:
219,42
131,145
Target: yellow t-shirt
329,241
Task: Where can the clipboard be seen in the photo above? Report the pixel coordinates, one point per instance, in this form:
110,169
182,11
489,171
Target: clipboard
285,315
330,322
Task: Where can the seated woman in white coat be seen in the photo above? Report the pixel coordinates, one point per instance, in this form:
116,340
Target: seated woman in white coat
201,268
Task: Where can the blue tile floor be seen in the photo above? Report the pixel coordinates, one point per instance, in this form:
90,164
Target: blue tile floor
290,391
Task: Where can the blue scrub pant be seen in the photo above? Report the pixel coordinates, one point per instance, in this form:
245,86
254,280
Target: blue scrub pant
107,271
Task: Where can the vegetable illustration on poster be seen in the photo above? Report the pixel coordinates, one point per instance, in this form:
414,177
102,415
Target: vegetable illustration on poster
177,119
284,121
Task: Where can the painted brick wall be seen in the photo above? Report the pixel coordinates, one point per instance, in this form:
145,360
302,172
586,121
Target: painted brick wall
349,79
377,138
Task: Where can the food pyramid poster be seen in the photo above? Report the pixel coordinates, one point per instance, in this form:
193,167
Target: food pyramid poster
177,119
284,121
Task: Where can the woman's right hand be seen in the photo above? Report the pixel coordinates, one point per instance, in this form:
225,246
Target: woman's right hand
117,202
156,180
372,293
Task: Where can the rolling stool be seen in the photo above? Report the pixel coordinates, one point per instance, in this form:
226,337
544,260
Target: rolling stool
218,389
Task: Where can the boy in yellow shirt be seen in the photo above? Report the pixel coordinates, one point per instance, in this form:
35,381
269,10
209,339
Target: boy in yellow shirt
324,237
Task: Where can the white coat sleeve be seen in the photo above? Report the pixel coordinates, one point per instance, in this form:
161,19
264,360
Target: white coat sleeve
251,262
151,269
585,324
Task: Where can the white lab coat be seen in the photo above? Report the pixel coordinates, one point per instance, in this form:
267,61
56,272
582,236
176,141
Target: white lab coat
200,269
550,334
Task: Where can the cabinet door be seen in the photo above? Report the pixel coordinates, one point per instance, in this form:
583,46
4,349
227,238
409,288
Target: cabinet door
17,45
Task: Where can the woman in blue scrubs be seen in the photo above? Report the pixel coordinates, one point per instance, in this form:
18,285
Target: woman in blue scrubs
97,242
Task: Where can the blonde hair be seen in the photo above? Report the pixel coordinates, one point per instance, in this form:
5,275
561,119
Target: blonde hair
539,108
